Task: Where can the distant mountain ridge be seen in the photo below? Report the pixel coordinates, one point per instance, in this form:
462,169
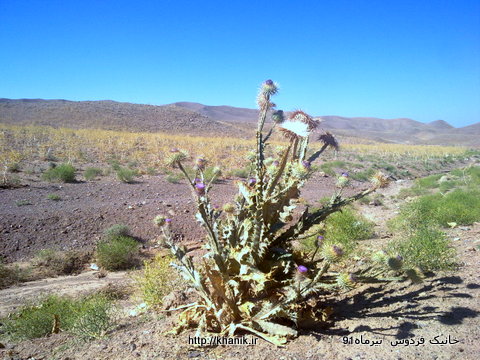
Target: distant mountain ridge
199,119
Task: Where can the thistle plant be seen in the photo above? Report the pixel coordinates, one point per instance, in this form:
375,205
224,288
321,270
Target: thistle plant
252,277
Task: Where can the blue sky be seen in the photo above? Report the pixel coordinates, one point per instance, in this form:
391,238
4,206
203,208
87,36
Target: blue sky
388,59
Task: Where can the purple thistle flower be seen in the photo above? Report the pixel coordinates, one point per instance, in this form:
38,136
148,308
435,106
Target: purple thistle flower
276,163
345,174
201,163
269,82
174,150
302,269
306,164
337,250
200,188
252,181
168,221
197,180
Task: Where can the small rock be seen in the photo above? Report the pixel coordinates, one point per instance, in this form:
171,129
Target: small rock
133,347
194,354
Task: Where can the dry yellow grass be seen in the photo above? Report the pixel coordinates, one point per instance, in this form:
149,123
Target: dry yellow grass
150,149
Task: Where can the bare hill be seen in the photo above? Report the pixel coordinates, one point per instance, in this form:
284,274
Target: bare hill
198,119
110,115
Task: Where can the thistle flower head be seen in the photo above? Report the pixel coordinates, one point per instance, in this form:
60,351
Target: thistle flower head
276,163
345,174
200,188
395,263
307,164
168,221
342,181
292,130
302,269
229,208
269,87
303,117
346,281
379,180
252,182
332,253
278,117
319,241
159,220
175,158
329,139
200,163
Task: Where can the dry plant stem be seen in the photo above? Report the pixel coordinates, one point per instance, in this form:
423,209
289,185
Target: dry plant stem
315,156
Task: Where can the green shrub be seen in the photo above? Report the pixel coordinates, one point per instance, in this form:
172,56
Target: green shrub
241,173
23,202
92,173
118,253
344,228
94,317
54,197
116,230
63,173
426,248
126,175
13,167
157,280
88,317
461,206
37,319
362,175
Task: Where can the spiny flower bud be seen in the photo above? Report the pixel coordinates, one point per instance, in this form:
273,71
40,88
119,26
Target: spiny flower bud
269,88
332,253
200,188
395,263
319,241
379,180
229,208
175,158
342,181
159,220
217,171
346,281
200,163
278,117
307,164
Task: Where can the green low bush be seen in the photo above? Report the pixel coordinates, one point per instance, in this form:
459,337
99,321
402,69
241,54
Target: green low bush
118,253
116,230
63,173
126,175
91,173
157,280
345,228
428,249
89,317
